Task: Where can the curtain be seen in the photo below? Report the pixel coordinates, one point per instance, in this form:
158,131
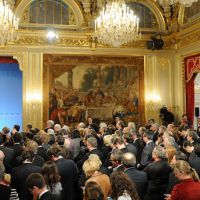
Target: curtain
5,59
192,67
190,99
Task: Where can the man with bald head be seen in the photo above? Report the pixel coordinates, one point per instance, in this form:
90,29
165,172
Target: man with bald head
138,177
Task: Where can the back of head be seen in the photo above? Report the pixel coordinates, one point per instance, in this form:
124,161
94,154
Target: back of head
92,141
57,127
193,135
179,155
60,140
93,191
107,140
120,182
50,173
5,130
117,155
129,137
55,151
75,133
149,134
65,130
92,164
35,179
81,125
187,144
17,127
116,139
170,152
29,127
183,167
129,160
50,123
131,125
28,155
31,146
159,152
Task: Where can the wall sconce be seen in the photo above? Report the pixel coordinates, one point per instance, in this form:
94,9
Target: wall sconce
34,97
153,100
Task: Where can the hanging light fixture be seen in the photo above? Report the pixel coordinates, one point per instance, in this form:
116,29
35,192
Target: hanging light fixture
8,23
116,24
186,3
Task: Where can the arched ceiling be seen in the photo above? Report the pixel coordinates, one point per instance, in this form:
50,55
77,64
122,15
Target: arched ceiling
169,18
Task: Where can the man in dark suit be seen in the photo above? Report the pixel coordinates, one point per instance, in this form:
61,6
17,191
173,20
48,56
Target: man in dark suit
36,184
91,143
194,155
128,140
158,173
116,160
9,154
139,178
154,128
41,151
19,175
17,146
147,151
118,143
136,140
68,173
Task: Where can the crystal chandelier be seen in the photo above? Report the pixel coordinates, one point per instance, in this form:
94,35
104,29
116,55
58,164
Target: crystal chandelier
8,24
186,3
116,24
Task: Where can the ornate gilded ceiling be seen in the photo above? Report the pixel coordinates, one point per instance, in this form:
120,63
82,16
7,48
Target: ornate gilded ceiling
76,24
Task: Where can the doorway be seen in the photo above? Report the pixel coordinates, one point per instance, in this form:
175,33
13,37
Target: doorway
11,93
196,97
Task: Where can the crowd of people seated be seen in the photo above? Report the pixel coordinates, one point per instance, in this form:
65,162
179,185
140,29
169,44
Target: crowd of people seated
99,161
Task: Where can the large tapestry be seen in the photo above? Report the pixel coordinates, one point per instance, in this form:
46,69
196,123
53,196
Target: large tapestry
97,87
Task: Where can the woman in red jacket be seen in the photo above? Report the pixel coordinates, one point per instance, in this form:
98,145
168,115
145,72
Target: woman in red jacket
189,188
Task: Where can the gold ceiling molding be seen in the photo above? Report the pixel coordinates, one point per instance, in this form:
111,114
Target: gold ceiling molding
59,60
21,5
67,42
189,39
75,39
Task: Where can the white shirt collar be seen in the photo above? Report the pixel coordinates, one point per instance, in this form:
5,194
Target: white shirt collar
43,193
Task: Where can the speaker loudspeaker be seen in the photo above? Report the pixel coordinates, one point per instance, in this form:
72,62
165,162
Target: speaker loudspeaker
196,111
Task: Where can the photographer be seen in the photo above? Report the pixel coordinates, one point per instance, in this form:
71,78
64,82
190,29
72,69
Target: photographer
166,115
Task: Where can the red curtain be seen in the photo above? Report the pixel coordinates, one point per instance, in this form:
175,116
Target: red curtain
192,66
190,99
6,59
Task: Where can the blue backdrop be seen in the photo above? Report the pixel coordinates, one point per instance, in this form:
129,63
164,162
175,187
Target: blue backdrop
10,94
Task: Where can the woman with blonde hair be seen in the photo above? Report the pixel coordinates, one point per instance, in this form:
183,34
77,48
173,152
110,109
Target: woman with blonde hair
189,188
91,168
170,152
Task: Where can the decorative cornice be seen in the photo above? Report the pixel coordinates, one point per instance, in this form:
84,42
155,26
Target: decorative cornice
38,40
60,60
